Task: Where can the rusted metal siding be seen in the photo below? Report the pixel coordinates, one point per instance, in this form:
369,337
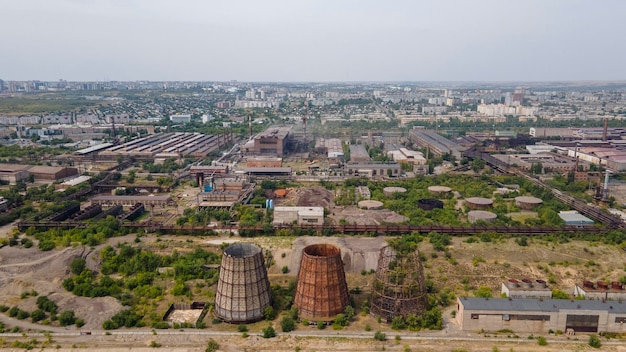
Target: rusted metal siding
321,290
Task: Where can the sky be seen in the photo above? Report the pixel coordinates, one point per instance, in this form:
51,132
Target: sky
313,40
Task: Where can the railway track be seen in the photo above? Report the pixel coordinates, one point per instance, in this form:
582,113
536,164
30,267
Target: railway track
373,229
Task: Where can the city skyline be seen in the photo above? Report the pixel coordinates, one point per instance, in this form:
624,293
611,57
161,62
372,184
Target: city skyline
360,41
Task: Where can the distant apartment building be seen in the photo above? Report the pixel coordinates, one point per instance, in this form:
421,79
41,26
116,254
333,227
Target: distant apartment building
180,118
502,109
224,104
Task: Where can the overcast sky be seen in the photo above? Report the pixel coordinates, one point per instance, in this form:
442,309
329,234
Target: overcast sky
310,40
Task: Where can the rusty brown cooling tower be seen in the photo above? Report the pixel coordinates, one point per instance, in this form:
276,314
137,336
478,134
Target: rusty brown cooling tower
243,289
399,288
321,290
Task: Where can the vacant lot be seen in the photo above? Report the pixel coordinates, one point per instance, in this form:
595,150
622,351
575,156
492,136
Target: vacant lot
468,263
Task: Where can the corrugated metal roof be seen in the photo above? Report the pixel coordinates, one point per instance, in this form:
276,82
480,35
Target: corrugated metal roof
574,216
93,148
536,305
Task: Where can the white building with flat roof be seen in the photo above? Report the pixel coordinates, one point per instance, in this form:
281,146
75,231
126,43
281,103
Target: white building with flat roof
298,215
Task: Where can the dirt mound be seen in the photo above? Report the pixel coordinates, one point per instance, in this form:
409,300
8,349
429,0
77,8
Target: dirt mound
23,270
314,197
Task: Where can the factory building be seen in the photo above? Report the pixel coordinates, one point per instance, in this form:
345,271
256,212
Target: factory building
372,170
166,145
403,155
436,143
52,173
526,288
600,290
299,215
574,218
272,142
13,173
131,200
525,315
332,147
358,153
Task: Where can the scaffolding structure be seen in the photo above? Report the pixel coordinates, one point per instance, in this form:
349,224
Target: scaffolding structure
399,288
243,288
321,290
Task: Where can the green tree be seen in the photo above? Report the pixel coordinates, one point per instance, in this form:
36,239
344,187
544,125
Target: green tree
477,164
78,265
67,317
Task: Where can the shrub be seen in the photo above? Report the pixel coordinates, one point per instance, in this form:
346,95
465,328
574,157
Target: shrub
285,269
594,341
287,324
212,346
541,341
269,313
22,314
483,292
78,265
380,336
398,323
37,315
67,317
242,328
269,332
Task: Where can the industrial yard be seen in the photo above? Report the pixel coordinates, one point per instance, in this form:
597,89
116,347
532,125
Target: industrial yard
469,266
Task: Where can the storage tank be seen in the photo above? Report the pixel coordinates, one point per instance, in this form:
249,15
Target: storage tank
390,191
527,203
243,289
370,204
429,204
479,203
321,290
481,215
440,190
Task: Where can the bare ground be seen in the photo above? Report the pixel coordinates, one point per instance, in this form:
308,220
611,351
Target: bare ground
470,265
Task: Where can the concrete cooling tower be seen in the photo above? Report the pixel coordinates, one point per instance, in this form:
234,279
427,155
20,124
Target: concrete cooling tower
321,290
399,288
243,289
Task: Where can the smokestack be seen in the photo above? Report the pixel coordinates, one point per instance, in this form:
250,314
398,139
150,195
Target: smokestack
606,127
250,125
605,190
